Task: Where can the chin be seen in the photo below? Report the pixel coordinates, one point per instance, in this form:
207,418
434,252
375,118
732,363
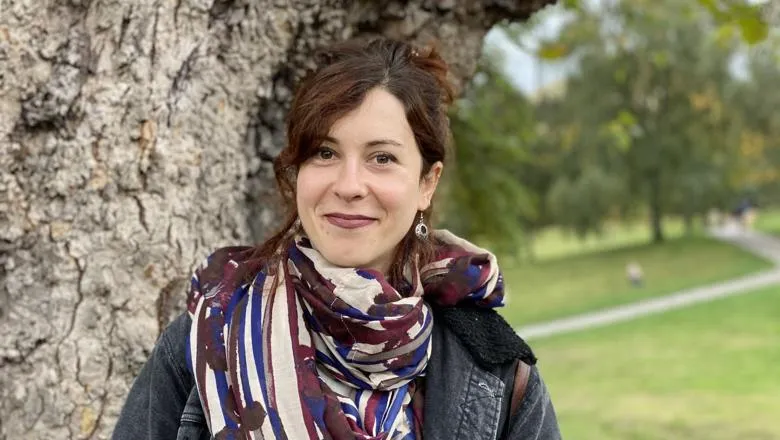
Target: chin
343,259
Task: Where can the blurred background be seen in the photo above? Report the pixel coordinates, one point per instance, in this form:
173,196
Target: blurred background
614,154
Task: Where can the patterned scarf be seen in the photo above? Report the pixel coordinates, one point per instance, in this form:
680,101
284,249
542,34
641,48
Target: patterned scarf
309,350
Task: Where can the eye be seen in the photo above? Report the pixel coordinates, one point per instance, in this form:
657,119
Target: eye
323,153
384,158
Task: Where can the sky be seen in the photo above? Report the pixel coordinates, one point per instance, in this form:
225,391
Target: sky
525,70
529,73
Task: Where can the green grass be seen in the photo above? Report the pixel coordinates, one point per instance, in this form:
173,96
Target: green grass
768,221
708,372
586,282
554,242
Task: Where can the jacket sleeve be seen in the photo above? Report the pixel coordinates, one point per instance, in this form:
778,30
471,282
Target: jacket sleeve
535,418
158,395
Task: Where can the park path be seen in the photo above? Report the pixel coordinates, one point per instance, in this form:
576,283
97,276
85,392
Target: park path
760,244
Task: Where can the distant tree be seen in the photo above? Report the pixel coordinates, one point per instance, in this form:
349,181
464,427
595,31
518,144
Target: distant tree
645,108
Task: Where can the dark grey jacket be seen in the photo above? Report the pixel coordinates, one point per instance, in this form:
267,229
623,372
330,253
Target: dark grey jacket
465,397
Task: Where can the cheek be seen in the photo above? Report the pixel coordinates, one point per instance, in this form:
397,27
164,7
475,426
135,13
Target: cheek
399,198
307,189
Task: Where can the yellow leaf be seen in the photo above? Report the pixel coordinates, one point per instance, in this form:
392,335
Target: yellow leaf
753,29
553,51
725,34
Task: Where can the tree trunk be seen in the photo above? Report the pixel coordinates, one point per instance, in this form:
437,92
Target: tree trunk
135,136
688,221
656,213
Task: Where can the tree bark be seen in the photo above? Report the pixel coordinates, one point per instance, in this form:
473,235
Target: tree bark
135,136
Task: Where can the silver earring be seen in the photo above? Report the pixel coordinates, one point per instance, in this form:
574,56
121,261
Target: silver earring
421,230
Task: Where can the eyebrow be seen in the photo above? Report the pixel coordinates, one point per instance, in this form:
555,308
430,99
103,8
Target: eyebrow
373,143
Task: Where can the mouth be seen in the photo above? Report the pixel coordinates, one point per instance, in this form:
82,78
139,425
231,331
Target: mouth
348,221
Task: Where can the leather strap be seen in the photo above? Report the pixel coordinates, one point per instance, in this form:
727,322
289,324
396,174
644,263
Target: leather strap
518,389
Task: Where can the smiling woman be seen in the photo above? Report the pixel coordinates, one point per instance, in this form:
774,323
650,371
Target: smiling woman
358,194
390,100
351,322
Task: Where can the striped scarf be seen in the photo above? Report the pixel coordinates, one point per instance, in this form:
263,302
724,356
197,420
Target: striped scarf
309,350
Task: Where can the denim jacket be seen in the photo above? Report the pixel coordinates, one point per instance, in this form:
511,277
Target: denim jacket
463,400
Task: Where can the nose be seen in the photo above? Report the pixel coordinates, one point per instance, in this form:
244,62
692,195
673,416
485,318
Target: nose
350,183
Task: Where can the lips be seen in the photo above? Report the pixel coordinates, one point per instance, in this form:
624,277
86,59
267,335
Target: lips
349,221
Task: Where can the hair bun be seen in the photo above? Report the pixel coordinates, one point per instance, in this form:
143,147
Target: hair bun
431,61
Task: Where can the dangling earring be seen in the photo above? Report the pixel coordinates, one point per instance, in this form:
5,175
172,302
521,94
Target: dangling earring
421,230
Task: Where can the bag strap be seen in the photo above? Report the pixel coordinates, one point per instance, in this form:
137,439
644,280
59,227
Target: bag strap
522,374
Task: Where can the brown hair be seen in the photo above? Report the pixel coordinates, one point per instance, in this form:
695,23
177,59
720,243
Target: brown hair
344,74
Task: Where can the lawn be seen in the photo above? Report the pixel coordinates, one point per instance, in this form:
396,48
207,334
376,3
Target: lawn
768,221
709,372
561,287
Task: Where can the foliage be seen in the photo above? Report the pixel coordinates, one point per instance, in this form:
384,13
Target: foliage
652,122
639,93
747,18
755,103
581,204
484,199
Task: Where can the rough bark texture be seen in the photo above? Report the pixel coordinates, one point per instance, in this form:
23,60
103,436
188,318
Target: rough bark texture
135,136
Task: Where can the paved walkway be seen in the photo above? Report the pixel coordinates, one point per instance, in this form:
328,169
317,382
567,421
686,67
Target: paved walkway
760,244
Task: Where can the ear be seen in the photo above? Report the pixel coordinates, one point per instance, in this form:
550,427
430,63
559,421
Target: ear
428,185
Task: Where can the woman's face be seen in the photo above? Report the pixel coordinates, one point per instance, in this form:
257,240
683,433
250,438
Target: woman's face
359,194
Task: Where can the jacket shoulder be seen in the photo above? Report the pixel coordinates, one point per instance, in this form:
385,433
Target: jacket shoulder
174,343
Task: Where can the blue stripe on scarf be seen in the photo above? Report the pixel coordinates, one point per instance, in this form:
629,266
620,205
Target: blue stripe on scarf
479,293
231,306
405,371
325,359
242,359
473,272
358,396
222,390
412,423
417,356
352,312
195,284
379,414
365,274
350,409
257,348
398,399
421,351
343,350
312,323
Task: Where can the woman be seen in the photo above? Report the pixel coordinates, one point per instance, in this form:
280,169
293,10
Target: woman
352,322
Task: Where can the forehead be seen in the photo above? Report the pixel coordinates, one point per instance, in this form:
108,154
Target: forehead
380,114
